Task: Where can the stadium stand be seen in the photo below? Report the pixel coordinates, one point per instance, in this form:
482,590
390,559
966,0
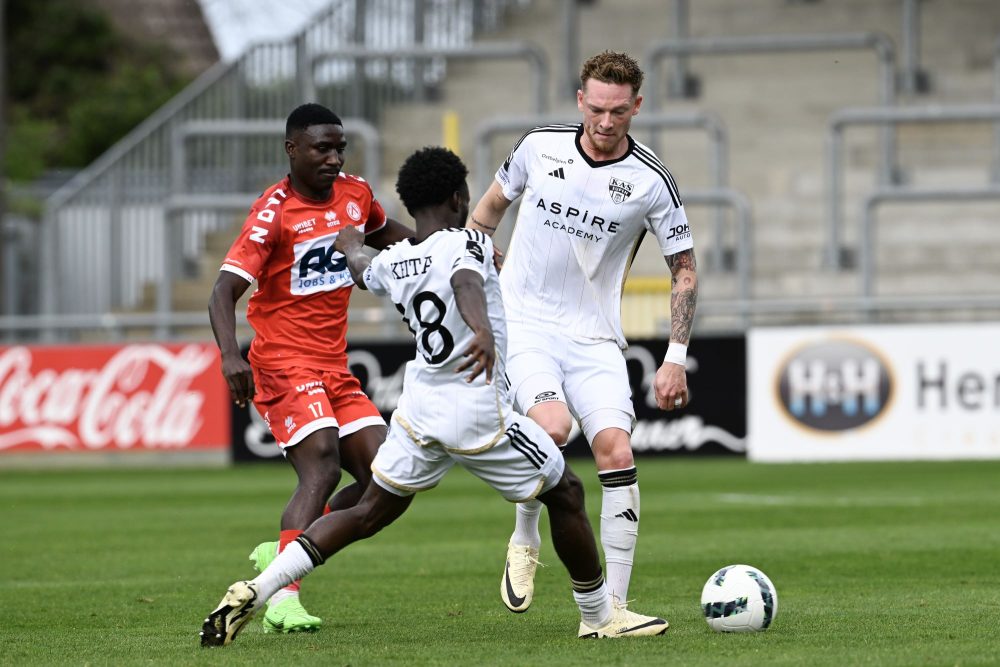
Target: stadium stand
776,109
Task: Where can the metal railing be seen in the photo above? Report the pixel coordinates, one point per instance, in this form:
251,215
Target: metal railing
913,78
532,53
757,44
733,314
996,100
836,255
272,129
842,310
115,207
873,201
744,247
165,326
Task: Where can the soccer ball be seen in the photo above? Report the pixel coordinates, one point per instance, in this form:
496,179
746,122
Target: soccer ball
739,598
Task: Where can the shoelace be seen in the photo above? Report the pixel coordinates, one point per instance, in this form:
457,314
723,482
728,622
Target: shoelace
621,608
520,572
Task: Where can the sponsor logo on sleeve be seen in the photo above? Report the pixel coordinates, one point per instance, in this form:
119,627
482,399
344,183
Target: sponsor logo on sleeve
475,250
545,396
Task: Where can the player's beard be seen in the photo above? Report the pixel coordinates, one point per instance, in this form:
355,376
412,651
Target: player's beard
606,144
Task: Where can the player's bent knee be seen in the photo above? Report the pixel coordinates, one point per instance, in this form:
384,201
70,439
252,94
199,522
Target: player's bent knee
554,419
559,435
556,429
618,460
567,495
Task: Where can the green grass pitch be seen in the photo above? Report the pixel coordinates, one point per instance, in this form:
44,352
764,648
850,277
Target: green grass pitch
875,564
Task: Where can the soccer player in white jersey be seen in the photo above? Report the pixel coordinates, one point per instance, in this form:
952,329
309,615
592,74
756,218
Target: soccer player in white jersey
589,194
455,408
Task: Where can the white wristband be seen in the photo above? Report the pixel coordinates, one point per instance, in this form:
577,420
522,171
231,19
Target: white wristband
676,354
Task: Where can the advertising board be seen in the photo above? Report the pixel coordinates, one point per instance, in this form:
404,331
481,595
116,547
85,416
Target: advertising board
890,392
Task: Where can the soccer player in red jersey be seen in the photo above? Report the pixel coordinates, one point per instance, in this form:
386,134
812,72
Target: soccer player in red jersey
297,376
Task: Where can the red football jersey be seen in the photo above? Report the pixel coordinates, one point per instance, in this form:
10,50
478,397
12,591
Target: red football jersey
299,310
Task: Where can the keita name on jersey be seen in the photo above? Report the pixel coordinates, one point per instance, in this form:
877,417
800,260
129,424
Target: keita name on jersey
570,212
409,268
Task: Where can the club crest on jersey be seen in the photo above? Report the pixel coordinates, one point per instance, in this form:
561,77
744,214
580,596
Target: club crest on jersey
354,211
620,190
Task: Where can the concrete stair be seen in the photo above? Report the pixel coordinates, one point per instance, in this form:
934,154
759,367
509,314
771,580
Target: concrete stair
776,109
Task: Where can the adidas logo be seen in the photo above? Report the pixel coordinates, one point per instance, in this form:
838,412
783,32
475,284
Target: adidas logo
558,173
628,515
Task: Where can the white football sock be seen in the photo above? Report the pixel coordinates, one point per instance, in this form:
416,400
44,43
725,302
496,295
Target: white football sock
594,603
291,564
619,528
526,524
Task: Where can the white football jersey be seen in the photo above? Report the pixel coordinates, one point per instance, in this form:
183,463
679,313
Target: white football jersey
579,227
437,403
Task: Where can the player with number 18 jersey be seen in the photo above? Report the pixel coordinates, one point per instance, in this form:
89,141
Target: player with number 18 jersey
438,405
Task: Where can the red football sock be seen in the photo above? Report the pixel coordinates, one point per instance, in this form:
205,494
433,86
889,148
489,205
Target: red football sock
286,538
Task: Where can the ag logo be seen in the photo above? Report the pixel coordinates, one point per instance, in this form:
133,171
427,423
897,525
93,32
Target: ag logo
318,267
620,190
834,385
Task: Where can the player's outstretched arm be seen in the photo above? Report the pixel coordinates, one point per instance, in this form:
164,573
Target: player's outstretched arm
349,241
228,289
391,232
489,211
670,385
471,300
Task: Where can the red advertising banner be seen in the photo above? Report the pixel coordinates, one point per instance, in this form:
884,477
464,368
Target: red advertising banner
109,398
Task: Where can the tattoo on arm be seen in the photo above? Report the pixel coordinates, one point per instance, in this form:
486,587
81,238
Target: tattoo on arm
681,260
683,294
484,226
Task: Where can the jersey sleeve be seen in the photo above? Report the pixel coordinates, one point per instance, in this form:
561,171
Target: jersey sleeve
473,250
376,216
250,250
513,173
377,276
668,222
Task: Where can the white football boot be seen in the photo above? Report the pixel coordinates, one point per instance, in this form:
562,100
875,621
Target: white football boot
517,586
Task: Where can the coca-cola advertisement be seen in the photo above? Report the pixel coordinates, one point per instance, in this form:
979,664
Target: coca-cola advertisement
104,398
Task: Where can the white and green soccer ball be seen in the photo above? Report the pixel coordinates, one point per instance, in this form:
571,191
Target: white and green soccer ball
739,598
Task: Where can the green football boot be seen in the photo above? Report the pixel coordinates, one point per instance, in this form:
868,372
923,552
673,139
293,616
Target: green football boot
263,554
289,616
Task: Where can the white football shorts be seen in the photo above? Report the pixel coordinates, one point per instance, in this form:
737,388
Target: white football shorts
523,463
590,377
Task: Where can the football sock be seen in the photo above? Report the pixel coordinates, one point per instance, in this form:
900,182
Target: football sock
619,527
592,599
287,537
293,563
526,524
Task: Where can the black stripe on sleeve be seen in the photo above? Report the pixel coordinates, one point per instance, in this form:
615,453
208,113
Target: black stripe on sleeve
651,161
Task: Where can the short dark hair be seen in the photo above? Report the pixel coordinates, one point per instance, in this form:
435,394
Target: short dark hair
613,67
309,114
429,177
